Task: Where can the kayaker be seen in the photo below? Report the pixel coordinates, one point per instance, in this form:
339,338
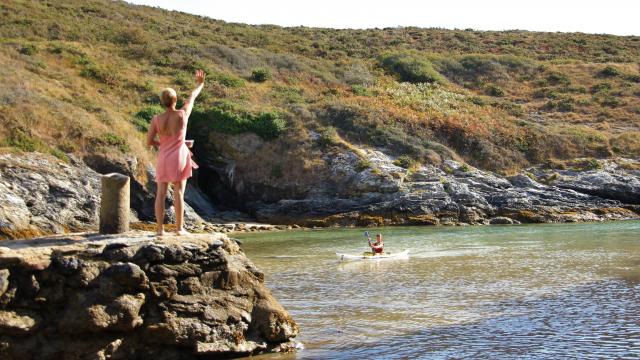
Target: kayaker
378,246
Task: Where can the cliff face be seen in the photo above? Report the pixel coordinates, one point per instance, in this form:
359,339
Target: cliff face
135,297
363,186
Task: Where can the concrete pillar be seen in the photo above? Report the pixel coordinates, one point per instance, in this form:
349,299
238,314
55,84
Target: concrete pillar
114,205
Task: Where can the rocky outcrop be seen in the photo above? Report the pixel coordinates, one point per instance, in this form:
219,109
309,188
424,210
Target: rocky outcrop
383,193
135,297
40,194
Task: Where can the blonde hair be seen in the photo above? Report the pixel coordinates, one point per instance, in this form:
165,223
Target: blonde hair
168,97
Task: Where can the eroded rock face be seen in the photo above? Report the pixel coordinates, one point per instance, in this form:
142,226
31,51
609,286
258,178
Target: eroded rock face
40,194
135,298
454,193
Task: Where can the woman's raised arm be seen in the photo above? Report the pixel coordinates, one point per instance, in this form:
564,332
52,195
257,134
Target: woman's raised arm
188,105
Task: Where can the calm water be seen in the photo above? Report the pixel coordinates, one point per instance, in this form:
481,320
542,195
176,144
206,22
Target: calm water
526,292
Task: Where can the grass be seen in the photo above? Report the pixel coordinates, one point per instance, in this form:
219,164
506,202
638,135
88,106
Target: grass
83,76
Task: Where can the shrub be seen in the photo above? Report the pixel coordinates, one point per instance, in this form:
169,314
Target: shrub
360,90
142,118
227,80
426,97
130,36
111,139
23,141
633,78
328,137
182,79
260,75
410,68
494,90
103,75
267,125
479,68
163,61
289,95
610,101
478,101
601,88
56,49
546,92
28,50
608,71
563,105
358,75
557,78
405,161
362,165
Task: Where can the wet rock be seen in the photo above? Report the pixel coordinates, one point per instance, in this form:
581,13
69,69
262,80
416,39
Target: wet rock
502,220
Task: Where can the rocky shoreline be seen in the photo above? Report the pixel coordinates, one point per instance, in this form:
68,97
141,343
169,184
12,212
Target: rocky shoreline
41,195
135,296
458,194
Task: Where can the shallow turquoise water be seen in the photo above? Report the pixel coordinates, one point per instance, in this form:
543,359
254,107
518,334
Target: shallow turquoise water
528,292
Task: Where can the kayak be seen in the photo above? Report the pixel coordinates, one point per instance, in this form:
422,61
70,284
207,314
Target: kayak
370,256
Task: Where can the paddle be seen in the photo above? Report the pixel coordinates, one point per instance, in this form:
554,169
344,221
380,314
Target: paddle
366,235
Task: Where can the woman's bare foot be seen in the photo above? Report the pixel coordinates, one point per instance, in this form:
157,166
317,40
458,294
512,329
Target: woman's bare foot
182,232
160,233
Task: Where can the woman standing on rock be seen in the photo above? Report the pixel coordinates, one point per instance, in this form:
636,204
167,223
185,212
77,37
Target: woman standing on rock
174,164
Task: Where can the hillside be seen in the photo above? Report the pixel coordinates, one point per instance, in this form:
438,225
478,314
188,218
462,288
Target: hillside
82,77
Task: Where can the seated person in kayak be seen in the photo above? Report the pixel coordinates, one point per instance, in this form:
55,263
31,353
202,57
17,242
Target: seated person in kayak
378,246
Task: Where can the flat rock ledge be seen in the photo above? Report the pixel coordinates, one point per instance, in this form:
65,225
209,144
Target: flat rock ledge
88,296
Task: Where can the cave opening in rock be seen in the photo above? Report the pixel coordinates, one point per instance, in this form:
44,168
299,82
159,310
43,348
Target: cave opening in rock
216,186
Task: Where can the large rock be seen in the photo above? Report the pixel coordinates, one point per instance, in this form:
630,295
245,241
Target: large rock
454,193
135,297
45,195
40,194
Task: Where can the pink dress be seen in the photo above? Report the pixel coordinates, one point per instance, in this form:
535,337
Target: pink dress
174,157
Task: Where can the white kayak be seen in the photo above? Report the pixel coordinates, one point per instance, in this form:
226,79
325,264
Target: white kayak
369,256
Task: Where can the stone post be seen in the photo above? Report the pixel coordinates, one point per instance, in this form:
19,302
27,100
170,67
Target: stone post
114,204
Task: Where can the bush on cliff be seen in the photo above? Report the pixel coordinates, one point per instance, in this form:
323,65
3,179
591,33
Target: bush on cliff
260,75
142,118
267,125
410,68
479,68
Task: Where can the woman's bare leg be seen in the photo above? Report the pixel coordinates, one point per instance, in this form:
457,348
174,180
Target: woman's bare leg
161,195
178,197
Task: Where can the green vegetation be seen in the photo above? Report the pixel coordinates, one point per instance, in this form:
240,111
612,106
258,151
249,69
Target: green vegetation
260,75
26,142
110,139
410,68
267,125
29,50
142,118
362,165
328,137
83,76
406,162
609,71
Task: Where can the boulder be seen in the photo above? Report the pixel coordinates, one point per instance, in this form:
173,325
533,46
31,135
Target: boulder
131,296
